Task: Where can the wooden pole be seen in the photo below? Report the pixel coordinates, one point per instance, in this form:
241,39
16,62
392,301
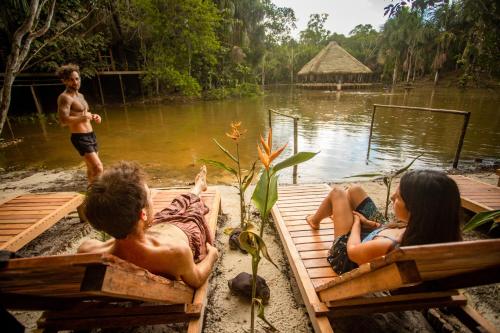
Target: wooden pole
295,146
10,129
371,131
461,140
121,86
100,88
37,102
269,115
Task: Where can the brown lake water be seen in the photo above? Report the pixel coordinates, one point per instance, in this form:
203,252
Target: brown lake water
169,139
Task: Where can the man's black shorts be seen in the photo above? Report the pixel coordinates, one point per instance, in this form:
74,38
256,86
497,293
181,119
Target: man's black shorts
84,142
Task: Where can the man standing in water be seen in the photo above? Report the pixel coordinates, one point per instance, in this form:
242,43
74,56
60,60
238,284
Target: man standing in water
74,112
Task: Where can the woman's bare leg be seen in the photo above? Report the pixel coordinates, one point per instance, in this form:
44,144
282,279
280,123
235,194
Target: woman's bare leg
344,202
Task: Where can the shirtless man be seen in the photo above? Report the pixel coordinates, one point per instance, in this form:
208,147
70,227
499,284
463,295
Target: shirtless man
174,242
74,112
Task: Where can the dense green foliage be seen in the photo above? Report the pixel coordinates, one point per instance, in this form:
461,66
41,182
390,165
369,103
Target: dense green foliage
223,48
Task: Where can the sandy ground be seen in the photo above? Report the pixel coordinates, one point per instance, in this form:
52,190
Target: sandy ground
226,312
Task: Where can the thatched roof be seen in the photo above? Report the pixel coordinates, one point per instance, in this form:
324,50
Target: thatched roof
333,59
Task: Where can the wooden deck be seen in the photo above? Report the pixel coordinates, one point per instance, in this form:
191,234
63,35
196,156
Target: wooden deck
26,216
306,248
477,196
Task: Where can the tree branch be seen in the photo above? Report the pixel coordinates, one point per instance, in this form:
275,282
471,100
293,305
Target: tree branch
23,67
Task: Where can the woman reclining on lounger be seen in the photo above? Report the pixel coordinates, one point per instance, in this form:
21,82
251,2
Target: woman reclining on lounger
426,209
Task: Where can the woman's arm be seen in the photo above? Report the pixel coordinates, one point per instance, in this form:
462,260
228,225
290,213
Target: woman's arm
361,253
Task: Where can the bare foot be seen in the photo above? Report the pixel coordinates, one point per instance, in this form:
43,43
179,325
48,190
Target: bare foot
311,223
200,181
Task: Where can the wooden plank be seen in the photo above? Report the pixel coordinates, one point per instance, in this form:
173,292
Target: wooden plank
389,277
311,300
322,272
314,254
425,303
313,239
200,296
313,246
311,232
473,319
21,239
117,282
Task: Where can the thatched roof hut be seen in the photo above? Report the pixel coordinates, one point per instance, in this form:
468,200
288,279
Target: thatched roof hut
334,64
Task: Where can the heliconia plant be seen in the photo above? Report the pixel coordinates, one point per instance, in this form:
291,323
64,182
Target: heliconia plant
387,178
264,197
243,177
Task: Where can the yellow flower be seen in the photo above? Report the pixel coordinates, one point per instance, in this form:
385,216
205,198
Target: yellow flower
236,132
266,155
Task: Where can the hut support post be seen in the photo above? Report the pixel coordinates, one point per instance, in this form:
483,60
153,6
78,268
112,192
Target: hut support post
121,87
371,131
37,102
461,140
100,88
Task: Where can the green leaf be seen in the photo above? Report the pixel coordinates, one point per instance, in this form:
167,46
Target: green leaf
293,160
259,193
400,171
260,314
366,175
219,165
249,177
480,219
254,244
225,151
228,230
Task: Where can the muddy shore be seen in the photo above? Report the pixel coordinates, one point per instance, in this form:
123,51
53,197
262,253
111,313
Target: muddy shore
230,313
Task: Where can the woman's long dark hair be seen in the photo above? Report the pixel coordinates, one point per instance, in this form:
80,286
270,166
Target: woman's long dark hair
433,200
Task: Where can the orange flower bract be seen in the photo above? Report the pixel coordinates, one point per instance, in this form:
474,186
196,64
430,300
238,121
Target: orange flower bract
266,155
236,132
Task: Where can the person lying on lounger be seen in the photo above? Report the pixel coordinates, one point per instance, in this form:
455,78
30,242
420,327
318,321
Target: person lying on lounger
426,208
175,242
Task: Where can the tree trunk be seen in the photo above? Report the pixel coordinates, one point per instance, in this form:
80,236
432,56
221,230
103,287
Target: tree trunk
395,72
21,43
436,77
263,72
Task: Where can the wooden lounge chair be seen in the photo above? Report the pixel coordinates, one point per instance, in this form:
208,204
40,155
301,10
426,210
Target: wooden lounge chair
417,276
82,291
26,216
477,196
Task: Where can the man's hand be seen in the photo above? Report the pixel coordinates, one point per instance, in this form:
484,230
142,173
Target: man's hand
96,118
212,250
365,223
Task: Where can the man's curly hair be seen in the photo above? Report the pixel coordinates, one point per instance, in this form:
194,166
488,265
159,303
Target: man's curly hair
65,71
114,201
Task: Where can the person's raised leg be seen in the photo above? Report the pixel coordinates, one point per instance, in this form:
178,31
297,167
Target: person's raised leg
94,166
342,214
356,195
200,181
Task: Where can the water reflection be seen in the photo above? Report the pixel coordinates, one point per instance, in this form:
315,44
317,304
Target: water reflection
170,139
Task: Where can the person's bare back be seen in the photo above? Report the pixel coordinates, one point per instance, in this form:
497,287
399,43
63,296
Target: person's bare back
163,248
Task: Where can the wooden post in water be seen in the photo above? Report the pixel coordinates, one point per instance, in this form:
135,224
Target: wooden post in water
100,88
461,141
121,86
295,145
37,102
269,114
456,112
371,131
10,129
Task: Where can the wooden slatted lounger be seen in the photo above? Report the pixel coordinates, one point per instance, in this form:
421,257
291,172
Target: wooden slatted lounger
477,196
82,291
418,276
26,216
